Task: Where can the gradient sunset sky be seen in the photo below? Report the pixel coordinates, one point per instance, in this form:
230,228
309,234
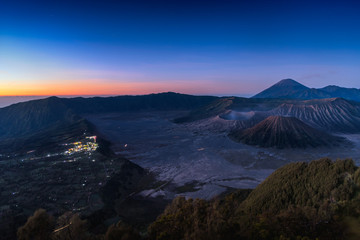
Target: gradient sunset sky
196,47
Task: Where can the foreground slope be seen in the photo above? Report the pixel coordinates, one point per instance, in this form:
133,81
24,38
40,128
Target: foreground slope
316,200
305,184
284,132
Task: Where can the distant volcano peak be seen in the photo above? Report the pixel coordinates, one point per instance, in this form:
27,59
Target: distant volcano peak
288,82
291,89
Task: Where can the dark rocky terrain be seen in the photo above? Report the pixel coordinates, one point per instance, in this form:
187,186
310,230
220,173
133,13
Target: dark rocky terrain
181,140
39,172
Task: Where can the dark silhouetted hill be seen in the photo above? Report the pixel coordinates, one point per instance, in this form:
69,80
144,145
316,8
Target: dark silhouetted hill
159,102
29,117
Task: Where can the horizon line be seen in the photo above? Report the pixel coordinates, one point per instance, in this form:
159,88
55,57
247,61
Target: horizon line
115,95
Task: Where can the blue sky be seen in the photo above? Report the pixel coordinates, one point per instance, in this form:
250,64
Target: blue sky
197,47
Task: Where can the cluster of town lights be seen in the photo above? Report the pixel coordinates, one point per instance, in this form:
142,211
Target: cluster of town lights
83,146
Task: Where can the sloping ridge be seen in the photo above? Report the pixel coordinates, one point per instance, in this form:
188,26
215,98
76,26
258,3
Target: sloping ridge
336,114
284,132
222,106
29,117
213,109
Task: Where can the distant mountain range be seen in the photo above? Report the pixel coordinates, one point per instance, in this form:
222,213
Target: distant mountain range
286,115
331,109
290,89
27,118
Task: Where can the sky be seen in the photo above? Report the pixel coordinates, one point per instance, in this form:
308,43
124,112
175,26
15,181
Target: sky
196,47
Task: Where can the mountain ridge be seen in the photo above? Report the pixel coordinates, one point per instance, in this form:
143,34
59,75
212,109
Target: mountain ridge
291,89
26,118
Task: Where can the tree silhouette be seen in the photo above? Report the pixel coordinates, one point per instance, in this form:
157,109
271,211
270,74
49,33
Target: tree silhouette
38,227
120,231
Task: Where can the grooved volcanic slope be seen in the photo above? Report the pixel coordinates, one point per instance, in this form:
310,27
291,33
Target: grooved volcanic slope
336,114
284,132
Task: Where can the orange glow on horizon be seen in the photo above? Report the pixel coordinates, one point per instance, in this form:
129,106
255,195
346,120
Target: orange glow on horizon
74,88
101,87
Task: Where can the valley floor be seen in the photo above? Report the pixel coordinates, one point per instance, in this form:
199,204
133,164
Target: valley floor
195,163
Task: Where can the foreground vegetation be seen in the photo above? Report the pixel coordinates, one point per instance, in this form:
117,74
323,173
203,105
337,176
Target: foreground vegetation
316,200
